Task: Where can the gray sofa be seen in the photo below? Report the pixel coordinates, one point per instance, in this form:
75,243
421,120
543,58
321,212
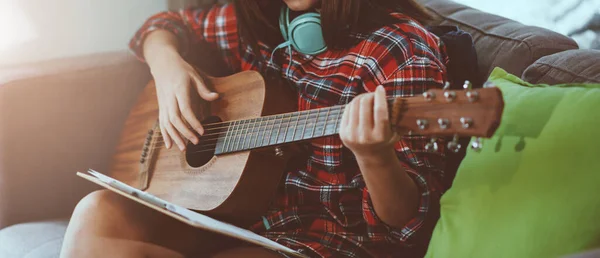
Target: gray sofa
63,116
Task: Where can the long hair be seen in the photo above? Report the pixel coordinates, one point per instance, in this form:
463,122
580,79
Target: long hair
258,20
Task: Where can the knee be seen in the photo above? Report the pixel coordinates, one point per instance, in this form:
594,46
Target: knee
96,201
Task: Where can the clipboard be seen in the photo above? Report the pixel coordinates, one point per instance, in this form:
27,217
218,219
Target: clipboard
184,215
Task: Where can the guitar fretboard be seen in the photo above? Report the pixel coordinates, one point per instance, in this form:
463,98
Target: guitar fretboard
279,129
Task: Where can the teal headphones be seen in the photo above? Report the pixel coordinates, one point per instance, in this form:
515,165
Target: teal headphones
304,33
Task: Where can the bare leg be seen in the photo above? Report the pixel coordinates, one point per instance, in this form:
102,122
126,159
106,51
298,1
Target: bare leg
105,224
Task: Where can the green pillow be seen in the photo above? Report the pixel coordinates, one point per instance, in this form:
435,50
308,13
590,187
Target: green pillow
532,191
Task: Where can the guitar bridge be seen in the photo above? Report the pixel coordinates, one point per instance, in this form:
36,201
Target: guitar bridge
147,154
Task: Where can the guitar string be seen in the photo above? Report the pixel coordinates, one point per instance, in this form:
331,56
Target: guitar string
245,131
213,149
320,125
212,146
210,127
260,127
310,113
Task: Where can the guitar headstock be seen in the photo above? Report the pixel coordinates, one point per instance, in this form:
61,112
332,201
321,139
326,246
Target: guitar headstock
446,112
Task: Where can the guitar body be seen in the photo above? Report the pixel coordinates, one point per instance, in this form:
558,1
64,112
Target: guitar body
235,187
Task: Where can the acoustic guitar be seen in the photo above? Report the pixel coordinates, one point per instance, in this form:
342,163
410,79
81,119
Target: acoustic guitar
234,171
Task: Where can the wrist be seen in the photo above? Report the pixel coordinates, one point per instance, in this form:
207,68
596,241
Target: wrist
380,157
159,48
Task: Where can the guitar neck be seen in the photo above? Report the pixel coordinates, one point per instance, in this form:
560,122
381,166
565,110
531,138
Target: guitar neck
438,112
279,129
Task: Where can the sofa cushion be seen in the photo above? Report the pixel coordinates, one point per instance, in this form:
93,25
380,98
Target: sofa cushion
500,42
33,240
573,66
531,191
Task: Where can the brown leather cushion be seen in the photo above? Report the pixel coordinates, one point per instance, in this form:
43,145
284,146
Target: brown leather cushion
500,42
573,66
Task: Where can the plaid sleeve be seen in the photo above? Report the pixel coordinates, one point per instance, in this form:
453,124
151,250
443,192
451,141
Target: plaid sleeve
215,26
410,78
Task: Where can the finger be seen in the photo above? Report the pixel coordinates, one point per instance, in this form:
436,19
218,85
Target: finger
346,117
175,119
188,114
203,91
353,119
175,136
381,112
165,136
366,112
344,130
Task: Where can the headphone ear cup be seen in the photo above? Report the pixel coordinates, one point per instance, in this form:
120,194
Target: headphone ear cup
306,34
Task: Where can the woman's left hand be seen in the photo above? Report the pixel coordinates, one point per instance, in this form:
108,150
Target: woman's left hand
365,128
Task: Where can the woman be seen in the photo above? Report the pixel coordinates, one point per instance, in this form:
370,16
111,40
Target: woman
367,192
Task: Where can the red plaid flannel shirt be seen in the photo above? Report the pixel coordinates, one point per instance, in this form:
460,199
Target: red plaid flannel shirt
324,207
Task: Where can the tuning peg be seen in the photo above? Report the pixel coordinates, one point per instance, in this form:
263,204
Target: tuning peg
489,84
466,122
454,146
278,152
450,95
429,96
444,123
432,145
446,85
468,85
472,96
477,144
423,124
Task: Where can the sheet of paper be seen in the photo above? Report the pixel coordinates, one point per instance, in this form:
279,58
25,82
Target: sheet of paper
185,215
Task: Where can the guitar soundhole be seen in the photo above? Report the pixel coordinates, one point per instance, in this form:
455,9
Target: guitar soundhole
198,155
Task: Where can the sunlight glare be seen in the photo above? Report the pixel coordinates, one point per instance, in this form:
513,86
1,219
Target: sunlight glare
15,26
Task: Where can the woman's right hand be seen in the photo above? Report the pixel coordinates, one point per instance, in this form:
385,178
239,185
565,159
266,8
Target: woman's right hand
174,79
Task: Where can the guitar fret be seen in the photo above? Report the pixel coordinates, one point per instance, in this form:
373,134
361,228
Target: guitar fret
295,127
242,135
266,133
257,132
312,134
247,133
338,121
231,137
271,132
287,127
251,132
325,123
238,137
226,140
278,130
304,127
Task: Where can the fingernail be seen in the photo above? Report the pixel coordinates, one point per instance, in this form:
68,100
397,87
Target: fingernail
181,148
200,131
